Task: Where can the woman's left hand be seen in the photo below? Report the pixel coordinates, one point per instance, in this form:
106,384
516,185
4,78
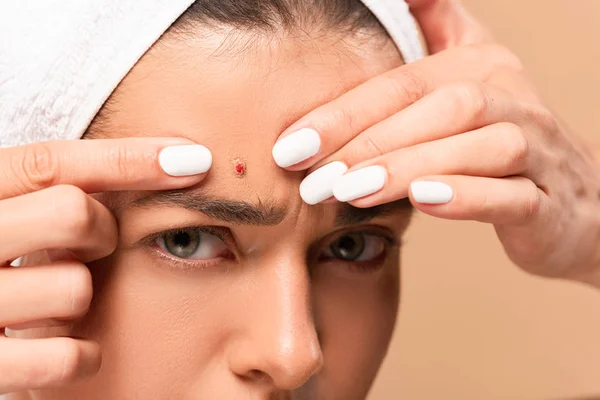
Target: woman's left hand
465,136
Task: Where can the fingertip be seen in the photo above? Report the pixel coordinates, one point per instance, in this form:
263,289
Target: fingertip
81,359
92,359
70,360
361,183
427,192
297,147
185,160
318,186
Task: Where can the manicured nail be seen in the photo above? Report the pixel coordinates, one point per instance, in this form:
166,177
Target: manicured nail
360,183
427,192
185,160
296,147
318,186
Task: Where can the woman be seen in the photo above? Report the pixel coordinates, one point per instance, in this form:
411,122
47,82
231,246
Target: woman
207,293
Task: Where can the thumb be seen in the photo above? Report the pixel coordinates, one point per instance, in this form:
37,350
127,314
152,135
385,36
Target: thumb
446,23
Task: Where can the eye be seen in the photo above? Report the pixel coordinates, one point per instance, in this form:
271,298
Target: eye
357,247
192,243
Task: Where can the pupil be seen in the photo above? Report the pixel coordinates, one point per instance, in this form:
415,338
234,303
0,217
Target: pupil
349,247
182,244
182,239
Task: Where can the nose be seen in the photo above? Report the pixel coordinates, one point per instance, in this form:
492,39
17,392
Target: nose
278,344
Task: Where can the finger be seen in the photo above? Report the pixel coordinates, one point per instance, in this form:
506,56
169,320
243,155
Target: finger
329,127
103,165
458,107
446,23
42,323
29,364
493,151
60,217
61,291
503,201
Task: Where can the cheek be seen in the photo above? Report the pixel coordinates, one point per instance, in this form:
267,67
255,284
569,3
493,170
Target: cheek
153,325
355,319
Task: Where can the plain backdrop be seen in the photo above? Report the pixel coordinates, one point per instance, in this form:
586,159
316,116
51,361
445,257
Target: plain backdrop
471,325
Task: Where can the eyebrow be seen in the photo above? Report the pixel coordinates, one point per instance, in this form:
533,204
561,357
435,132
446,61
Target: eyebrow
350,215
237,212
259,214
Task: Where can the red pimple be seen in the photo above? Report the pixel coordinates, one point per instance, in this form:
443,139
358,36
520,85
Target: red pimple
240,168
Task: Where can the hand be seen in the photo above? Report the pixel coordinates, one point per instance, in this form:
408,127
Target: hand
44,205
465,136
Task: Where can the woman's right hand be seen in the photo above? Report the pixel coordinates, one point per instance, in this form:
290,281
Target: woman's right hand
45,205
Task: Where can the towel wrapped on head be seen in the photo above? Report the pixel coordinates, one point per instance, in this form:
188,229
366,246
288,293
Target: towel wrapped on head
61,59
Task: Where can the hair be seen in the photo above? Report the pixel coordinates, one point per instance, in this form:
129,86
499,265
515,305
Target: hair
350,19
347,16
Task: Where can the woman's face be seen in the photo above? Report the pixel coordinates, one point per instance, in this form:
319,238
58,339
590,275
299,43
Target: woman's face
237,289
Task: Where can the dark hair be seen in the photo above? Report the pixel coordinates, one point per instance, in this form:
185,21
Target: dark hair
271,15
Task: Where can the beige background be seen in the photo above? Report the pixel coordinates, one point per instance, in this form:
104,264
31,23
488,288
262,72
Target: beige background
472,326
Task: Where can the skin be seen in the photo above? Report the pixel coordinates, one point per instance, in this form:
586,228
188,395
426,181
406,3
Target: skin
537,184
269,314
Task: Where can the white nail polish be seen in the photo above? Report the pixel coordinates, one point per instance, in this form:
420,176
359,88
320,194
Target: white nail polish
296,147
427,192
360,183
185,160
318,186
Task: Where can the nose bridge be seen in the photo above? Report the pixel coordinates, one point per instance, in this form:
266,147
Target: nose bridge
282,341
292,310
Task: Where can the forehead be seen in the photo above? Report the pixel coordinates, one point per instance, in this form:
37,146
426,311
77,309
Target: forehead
236,96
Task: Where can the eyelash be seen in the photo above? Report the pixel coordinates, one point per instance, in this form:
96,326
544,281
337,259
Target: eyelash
226,236
365,266
180,263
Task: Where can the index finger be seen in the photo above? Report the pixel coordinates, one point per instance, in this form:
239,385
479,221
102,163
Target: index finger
327,128
103,165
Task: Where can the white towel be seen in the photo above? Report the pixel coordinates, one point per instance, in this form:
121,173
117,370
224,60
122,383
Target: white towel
61,59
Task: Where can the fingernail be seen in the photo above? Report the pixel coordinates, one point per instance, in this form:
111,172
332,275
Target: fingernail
427,192
318,186
360,183
296,147
185,160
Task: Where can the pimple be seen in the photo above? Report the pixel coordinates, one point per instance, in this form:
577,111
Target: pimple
239,167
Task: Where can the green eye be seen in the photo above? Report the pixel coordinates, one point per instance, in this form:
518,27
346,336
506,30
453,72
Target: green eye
357,247
348,247
192,243
182,244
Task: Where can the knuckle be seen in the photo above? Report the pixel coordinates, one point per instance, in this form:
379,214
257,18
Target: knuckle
407,84
484,205
38,168
73,206
69,361
80,290
125,161
516,147
418,156
533,202
75,288
472,98
373,147
345,118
